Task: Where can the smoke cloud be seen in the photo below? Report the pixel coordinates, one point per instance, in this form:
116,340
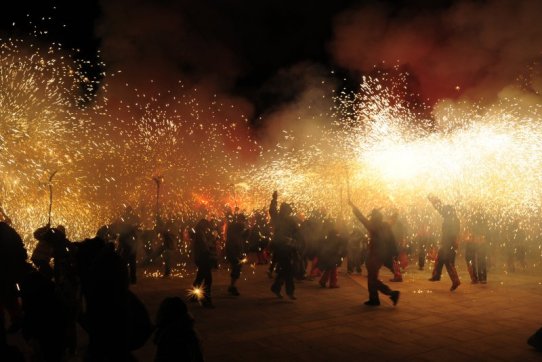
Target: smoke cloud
468,49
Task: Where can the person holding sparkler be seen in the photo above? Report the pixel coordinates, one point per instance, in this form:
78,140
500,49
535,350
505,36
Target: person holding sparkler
448,243
381,246
286,235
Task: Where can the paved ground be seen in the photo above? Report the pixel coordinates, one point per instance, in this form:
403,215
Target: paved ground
474,323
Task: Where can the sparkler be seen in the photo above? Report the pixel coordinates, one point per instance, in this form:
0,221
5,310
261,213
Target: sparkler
197,292
50,184
158,180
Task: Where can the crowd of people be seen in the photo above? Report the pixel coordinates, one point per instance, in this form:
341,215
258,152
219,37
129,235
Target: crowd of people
65,283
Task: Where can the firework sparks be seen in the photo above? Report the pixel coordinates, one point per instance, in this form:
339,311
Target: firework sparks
197,292
371,148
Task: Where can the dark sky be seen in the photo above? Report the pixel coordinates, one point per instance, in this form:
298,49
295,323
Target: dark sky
248,48
257,38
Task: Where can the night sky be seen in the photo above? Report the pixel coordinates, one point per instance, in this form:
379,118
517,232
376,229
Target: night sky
264,51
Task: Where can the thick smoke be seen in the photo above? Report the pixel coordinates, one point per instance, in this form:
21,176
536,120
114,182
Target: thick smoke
469,49
221,48
161,41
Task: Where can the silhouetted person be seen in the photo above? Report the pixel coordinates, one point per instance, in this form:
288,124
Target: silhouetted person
175,337
128,230
116,321
476,249
13,266
399,234
330,257
236,237
536,340
204,251
165,232
448,242
424,244
45,318
43,252
259,237
357,251
381,247
515,245
286,236
106,233
53,244
64,276
314,230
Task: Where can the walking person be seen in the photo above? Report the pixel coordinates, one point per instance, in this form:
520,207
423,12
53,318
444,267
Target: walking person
204,251
448,242
128,233
286,237
236,238
476,249
399,234
357,251
381,247
330,258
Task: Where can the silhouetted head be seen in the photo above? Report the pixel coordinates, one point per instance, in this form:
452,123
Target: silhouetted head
61,229
285,209
448,210
241,218
203,225
376,217
173,310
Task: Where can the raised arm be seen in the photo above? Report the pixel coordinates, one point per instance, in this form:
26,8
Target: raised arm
360,216
437,204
